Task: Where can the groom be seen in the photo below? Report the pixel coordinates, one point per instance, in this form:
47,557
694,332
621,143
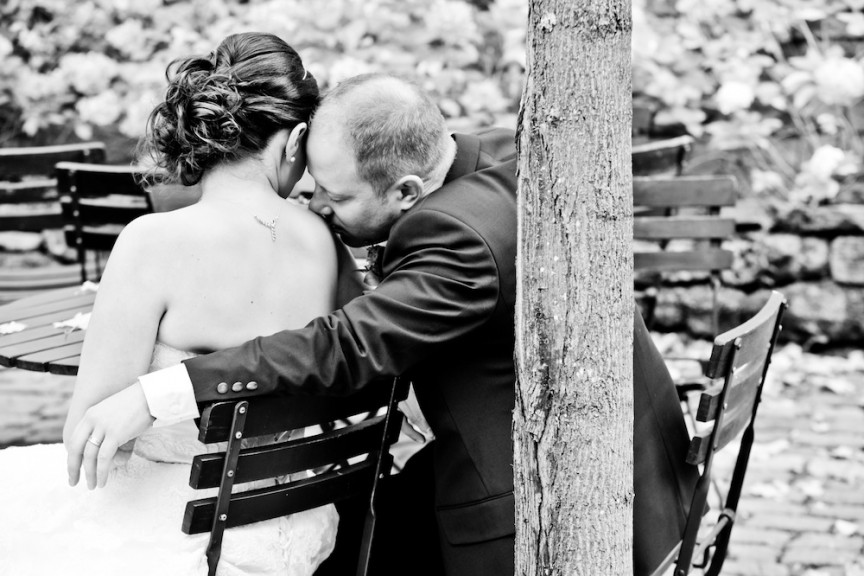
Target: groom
443,315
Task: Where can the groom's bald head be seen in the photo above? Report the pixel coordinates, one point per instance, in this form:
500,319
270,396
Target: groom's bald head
392,126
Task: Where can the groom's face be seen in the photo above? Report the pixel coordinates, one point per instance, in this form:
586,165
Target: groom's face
348,203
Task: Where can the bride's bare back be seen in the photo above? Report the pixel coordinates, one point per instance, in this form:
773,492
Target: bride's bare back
203,278
230,281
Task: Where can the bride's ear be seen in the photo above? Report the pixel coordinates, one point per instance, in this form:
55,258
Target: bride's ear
295,141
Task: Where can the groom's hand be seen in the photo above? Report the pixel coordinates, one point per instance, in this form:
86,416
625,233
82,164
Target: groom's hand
104,428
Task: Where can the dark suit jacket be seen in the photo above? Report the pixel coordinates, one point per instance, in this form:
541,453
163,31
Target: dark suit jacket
444,316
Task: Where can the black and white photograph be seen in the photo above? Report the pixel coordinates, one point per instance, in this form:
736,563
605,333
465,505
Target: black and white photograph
432,287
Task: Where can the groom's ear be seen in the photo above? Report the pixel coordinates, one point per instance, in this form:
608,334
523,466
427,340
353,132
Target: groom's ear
407,191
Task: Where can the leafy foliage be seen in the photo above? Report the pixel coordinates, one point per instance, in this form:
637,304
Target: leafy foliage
780,78
100,63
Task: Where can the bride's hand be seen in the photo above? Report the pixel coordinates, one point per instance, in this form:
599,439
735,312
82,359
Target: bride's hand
102,430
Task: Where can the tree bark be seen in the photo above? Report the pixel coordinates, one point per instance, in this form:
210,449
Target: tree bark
573,422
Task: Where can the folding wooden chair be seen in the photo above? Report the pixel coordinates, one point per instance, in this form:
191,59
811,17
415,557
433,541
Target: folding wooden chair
98,201
29,203
738,364
643,119
661,207
234,421
27,178
661,157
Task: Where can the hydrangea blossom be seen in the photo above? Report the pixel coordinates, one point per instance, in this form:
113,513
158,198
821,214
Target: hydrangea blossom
734,96
102,109
839,80
88,73
5,47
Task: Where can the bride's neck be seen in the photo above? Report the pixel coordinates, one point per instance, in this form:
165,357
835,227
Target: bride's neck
239,183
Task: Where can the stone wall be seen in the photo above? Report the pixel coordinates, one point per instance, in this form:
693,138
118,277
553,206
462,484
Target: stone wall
814,255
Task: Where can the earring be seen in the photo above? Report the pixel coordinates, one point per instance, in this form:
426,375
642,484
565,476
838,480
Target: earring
292,159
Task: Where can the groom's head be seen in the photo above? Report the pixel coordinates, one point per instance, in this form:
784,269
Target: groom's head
376,145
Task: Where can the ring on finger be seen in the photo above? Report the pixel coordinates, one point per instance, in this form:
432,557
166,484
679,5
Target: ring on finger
93,440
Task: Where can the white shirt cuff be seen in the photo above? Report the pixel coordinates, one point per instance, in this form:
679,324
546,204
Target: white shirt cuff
411,409
169,395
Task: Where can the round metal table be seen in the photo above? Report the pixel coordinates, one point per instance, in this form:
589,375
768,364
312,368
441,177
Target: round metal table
29,338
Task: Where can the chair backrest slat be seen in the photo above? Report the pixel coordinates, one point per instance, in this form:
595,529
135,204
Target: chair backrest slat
100,238
740,401
281,500
106,212
661,156
684,191
35,220
696,227
755,336
100,180
290,457
734,421
40,160
708,259
274,415
687,208
43,190
27,184
744,379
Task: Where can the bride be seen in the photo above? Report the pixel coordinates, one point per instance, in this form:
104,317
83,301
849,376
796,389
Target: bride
240,263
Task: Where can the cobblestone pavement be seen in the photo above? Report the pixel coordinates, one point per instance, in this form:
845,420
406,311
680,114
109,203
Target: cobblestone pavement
802,511
33,407
802,507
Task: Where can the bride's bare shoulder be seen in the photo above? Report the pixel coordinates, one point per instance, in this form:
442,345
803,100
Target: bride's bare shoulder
154,238
196,229
156,229
308,228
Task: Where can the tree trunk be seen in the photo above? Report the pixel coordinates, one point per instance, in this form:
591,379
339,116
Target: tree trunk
573,423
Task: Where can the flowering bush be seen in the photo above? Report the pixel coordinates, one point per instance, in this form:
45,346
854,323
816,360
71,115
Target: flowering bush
97,63
779,78
766,76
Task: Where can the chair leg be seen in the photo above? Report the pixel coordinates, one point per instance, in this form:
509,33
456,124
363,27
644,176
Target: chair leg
715,303
226,484
732,498
650,305
82,261
366,542
694,519
720,550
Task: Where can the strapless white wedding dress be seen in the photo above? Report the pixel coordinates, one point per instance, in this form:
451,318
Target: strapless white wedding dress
132,526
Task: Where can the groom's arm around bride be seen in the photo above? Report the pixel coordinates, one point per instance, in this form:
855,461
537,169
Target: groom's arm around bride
443,315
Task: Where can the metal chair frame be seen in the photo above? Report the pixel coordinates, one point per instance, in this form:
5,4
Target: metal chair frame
234,421
740,357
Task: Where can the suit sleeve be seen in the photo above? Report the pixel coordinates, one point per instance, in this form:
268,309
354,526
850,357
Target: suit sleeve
441,282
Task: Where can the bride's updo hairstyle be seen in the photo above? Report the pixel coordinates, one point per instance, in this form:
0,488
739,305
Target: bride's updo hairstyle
226,106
